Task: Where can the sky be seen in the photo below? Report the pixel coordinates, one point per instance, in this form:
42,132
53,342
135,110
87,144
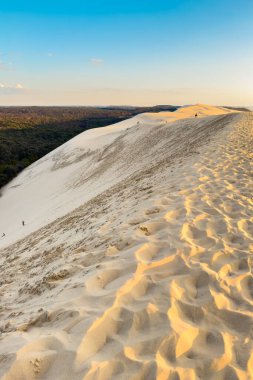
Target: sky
118,52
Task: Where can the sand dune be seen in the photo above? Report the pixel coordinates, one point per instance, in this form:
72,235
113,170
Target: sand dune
150,279
88,165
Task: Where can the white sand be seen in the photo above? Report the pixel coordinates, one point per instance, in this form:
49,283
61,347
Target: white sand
150,278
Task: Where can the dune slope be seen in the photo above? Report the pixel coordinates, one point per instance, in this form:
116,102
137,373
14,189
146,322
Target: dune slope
85,166
151,277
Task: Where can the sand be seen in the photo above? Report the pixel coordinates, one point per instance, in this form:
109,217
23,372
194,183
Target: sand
86,166
150,278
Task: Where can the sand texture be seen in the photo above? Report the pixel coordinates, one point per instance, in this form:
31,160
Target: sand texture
149,278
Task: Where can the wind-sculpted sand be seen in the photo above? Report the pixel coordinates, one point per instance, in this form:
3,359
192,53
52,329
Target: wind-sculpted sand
151,279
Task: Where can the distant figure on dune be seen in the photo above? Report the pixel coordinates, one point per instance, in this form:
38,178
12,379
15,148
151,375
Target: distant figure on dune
3,235
196,115
23,223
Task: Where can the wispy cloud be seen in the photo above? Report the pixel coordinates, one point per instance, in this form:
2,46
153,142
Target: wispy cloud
5,66
97,61
7,89
50,54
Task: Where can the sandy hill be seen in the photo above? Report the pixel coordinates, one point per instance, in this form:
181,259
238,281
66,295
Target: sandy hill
86,166
135,258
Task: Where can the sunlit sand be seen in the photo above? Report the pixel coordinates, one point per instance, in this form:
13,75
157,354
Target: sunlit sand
141,268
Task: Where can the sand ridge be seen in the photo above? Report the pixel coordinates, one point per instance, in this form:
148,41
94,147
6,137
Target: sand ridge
153,281
90,164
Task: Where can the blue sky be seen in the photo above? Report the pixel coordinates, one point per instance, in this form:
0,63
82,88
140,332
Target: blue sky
126,52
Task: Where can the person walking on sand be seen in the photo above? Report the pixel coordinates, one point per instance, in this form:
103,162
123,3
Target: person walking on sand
23,223
196,115
3,235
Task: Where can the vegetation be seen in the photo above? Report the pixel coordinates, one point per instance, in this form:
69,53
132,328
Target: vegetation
29,133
